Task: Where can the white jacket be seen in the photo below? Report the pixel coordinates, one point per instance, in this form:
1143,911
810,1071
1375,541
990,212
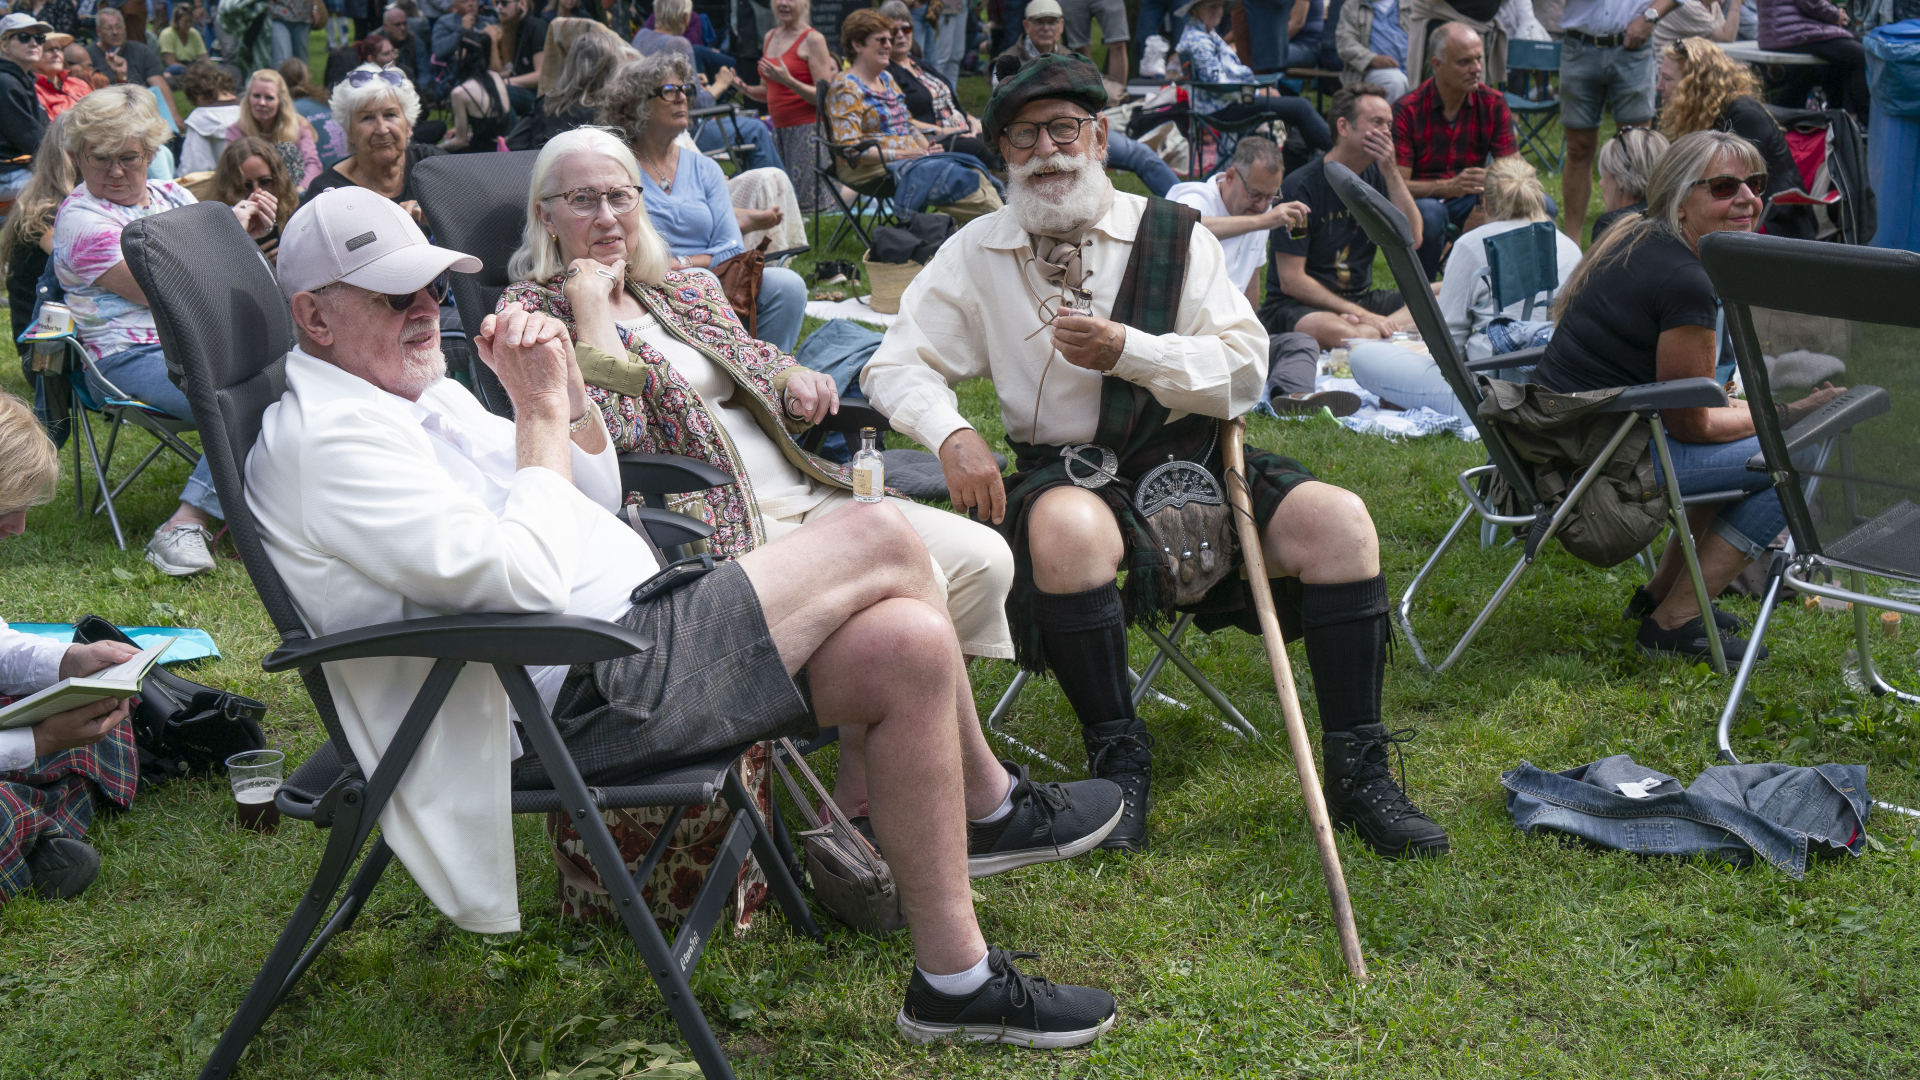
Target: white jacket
362,518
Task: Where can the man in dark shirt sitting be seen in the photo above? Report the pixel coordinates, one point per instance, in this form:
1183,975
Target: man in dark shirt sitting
126,61
1320,278
523,47
1445,131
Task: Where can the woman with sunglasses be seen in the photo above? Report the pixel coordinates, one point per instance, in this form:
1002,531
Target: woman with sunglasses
687,196
673,371
1641,309
112,135
250,164
377,107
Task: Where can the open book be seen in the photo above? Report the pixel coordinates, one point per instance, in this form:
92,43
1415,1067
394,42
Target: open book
119,681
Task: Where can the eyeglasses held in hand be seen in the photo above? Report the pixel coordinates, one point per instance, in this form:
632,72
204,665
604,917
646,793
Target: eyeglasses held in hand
675,91
585,202
1726,187
390,76
1064,131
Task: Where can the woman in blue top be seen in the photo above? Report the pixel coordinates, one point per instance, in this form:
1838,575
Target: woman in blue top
685,193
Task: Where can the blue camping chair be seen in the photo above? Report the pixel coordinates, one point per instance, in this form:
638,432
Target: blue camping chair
1532,118
1522,264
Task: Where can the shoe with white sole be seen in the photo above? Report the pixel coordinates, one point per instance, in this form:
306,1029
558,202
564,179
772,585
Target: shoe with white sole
1011,1007
1048,823
181,551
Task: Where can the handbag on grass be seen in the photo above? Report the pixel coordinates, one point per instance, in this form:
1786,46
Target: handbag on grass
850,879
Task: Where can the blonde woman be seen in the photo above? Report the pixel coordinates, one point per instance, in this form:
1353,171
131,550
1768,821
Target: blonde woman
54,773
26,240
1625,164
269,113
1704,89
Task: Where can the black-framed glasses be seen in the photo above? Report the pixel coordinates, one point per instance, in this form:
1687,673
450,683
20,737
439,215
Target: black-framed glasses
585,202
1063,130
1260,198
436,290
390,76
1726,187
674,91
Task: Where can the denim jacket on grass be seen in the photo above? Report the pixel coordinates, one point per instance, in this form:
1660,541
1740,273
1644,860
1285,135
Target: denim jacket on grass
1731,812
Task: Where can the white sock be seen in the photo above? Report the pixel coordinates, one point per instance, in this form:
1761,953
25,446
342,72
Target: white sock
1005,808
959,984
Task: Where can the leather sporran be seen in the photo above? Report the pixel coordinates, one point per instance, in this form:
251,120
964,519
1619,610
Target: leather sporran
850,879
1185,512
740,280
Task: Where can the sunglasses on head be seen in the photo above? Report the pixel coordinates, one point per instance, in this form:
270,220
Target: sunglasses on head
1726,187
387,75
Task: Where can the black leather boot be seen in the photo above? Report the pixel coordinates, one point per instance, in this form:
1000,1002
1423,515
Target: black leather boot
1122,751
1362,794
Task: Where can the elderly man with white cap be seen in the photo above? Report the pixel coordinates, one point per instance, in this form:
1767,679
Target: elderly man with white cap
384,491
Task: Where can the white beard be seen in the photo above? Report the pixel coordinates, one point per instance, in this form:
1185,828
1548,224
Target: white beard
423,366
1066,201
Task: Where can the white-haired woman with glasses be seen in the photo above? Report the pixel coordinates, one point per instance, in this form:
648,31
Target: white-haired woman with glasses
111,135
1641,309
673,371
376,107
687,195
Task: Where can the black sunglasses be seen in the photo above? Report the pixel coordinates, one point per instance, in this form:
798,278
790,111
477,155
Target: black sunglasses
36,39
399,302
264,183
1726,187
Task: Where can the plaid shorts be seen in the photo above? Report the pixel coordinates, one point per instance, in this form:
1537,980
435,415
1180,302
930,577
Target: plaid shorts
712,680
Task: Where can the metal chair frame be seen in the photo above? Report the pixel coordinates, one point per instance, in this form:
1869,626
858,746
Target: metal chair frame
871,197
1388,229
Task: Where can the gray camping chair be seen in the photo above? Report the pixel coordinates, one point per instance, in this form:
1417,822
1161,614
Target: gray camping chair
1386,227
1851,514
229,332
1522,264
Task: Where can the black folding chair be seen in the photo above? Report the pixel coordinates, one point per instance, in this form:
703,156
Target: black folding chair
229,332
1850,498
1387,227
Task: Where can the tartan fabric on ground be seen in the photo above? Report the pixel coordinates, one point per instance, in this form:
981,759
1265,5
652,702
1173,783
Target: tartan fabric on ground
56,798
1435,149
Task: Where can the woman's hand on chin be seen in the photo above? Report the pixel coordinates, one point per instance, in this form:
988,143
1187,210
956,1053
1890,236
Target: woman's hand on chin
590,284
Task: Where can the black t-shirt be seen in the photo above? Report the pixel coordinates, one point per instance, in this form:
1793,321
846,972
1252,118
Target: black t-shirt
1606,220
1337,250
1750,120
1611,333
330,178
531,39
142,63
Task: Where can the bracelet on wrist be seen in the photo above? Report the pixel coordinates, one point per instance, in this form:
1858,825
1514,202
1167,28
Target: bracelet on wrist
592,413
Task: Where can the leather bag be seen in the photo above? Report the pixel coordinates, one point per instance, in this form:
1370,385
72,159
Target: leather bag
850,879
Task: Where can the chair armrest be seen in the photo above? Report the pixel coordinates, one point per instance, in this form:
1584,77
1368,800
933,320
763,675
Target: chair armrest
669,529
1699,393
1516,358
855,414
533,640
669,474
1858,405
717,110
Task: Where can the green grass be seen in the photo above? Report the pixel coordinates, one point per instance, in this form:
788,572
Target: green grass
1511,957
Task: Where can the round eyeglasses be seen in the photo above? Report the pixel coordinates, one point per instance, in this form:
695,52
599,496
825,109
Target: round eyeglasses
585,202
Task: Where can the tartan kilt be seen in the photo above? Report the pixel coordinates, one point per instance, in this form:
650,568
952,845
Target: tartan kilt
56,798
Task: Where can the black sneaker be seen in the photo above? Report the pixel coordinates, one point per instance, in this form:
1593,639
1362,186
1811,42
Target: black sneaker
1048,823
1363,796
1337,402
1643,603
62,867
1688,641
1013,1007
1122,751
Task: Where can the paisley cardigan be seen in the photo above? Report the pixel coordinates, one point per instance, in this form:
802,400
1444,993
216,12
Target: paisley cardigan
650,408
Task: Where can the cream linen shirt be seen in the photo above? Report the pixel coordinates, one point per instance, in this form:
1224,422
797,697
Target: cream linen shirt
375,509
972,313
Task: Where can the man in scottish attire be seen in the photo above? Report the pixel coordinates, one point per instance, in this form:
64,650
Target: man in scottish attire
1118,345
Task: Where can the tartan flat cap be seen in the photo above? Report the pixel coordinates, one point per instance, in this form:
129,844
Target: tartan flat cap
1068,76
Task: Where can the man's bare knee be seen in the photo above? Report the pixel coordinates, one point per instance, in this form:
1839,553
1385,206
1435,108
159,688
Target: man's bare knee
892,652
1074,541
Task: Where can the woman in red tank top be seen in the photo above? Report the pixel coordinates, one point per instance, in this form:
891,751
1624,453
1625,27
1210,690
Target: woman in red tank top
793,58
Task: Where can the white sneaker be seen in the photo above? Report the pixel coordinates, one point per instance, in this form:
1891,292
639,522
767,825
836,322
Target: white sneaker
181,551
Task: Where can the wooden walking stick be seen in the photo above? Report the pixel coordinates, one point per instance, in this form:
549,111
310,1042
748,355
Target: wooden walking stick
1240,498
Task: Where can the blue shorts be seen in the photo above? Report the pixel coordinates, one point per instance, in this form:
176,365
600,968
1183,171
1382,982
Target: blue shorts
1591,79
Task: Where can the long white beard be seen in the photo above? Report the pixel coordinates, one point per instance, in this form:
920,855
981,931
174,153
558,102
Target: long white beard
1041,205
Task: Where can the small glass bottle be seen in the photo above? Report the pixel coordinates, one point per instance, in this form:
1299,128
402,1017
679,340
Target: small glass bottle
869,469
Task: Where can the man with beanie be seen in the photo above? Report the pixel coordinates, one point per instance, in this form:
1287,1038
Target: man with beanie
1117,343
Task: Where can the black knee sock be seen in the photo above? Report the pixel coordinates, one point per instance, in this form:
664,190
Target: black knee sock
1346,634
1085,634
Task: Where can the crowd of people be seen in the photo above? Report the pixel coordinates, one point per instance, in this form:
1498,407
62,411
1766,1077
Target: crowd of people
1116,331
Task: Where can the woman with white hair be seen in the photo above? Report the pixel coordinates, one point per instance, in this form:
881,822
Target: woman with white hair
674,372
112,135
1625,163
376,107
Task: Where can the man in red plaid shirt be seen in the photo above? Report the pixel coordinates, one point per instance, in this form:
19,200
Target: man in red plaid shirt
1444,133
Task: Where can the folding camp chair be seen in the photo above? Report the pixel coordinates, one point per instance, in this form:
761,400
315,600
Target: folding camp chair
1386,227
1834,187
229,332
726,118
871,194
1522,264
1846,475
1248,116
1532,120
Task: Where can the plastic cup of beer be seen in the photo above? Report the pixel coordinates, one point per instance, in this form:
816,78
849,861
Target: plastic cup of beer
255,776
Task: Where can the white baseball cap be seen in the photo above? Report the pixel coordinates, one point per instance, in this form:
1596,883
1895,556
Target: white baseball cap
357,236
1044,9
19,21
